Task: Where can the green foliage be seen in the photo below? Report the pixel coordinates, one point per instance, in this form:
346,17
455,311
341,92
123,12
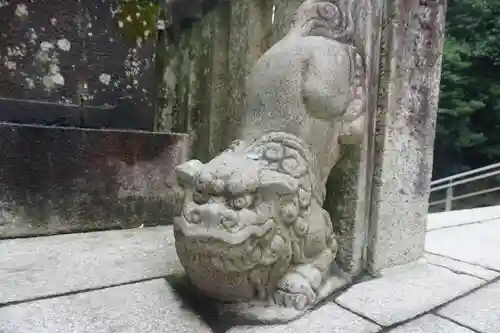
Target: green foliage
137,19
467,134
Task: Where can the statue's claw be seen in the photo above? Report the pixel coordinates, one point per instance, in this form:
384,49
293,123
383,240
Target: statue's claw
294,290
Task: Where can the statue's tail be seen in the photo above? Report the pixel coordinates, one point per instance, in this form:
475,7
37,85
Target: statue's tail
326,18
333,19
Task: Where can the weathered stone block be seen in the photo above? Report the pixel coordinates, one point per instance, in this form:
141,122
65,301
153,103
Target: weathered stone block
65,179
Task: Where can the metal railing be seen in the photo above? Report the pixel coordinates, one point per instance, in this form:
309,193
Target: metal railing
448,183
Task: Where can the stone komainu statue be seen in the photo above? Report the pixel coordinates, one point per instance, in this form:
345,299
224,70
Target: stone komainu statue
252,232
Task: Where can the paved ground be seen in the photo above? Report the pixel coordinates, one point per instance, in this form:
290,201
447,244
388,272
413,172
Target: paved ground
121,281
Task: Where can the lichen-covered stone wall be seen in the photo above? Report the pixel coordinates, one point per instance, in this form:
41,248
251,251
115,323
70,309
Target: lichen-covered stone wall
72,52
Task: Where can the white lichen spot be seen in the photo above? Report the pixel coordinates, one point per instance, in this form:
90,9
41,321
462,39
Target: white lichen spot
47,62
120,24
64,44
129,18
138,14
30,83
160,25
11,65
90,34
46,46
58,79
146,33
53,21
32,36
133,68
105,78
21,10
16,51
54,69
51,81
66,100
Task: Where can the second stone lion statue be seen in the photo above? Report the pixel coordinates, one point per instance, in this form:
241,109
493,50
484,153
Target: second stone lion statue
252,233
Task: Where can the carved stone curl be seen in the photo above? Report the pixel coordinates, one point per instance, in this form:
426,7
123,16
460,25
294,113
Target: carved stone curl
252,233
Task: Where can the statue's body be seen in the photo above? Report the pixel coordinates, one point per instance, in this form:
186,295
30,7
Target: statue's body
252,232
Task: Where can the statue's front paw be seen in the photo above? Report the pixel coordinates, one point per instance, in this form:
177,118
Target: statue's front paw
294,291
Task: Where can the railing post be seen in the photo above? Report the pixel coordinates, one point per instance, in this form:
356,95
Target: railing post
449,197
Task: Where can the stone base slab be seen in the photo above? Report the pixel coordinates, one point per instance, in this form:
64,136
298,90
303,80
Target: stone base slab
127,281
395,298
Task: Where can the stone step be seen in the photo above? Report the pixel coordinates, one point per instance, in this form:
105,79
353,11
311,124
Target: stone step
476,244
146,307
113,281
404,294
44,266
479,310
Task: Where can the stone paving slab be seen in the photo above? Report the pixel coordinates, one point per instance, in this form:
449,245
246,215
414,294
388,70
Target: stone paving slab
430,324
398,297
477,244
461,217
329,318
35,267
463,267
146,307
479,310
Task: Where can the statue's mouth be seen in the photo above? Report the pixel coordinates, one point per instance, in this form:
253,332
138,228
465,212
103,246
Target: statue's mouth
232,238
210,248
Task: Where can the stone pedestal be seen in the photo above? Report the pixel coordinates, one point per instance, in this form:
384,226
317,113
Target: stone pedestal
410,59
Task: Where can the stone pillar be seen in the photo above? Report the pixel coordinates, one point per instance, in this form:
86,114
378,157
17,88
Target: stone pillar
410,62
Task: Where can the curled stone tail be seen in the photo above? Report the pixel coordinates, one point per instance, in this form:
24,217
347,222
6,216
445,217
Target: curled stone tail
326,18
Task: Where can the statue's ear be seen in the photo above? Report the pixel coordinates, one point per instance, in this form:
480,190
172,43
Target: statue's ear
272,182
187,172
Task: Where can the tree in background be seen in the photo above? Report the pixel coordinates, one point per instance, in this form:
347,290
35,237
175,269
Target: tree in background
468,125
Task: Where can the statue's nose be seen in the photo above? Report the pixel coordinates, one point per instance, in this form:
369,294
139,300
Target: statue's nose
215,214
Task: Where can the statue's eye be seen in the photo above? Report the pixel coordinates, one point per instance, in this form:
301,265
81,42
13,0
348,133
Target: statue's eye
200,198
242,202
